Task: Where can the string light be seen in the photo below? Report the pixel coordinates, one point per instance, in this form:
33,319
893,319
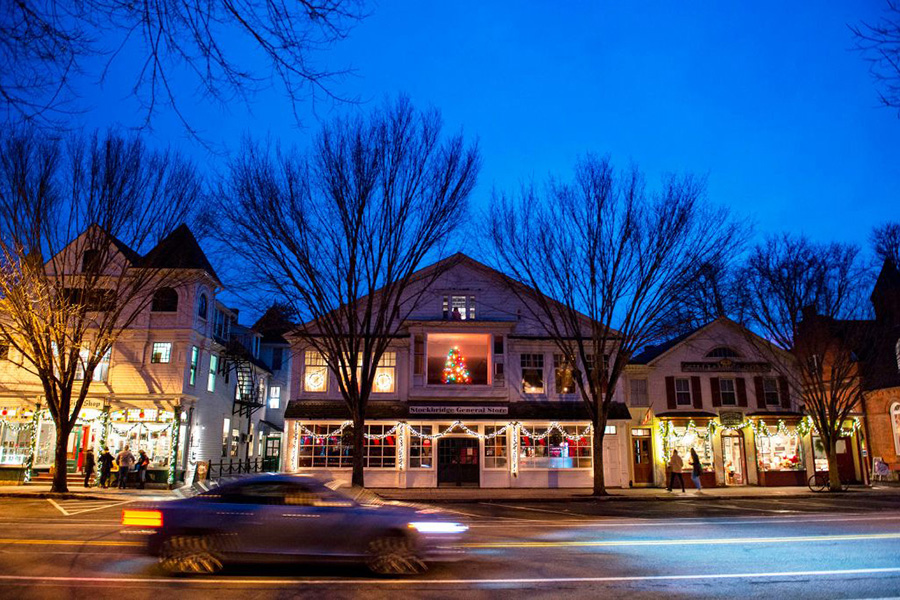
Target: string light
455,371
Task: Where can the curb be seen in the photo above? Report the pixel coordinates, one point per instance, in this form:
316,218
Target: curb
665,497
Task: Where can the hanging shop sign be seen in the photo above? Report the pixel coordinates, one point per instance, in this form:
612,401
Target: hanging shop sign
731,419
726,365
458,410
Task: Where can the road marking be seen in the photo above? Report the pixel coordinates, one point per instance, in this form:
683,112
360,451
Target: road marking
689,542
544,510
61,509
15,541
429,582
684,521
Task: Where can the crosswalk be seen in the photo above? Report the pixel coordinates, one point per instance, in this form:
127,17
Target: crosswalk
70,508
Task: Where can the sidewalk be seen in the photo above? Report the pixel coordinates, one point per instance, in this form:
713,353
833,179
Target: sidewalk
82,493
633,494
476,494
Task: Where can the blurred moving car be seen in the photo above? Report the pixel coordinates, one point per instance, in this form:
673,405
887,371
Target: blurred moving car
281,517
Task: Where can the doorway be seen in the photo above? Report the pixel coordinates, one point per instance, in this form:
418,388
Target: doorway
642,456
733,458
458,462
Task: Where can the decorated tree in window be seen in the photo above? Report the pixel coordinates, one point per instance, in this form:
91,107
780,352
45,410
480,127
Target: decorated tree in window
455,370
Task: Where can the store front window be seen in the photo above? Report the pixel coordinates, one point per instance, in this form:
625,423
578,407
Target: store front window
14,443
421,449
149,430
683,440
778,452
334,451
494,448
380,451
556,451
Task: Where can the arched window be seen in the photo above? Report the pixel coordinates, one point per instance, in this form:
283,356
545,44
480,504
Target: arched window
722,352
897,352
895,426
164,300
203,305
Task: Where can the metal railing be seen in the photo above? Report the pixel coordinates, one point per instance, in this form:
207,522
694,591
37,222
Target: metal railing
235,467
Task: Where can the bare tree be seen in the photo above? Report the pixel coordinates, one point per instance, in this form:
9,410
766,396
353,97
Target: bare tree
71,215
340,231
879,43
886,242
808,300
47,47
615,259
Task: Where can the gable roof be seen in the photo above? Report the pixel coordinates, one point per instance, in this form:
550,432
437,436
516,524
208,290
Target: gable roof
652,353
179,250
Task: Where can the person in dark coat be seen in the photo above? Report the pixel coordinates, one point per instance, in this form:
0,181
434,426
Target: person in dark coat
106,463
88,467
696,470
143,461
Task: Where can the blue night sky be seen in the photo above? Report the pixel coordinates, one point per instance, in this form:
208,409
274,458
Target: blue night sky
765,98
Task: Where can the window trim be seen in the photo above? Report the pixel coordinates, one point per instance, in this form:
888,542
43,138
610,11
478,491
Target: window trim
541,369
276,397
211,376
194,366
766,392
484,447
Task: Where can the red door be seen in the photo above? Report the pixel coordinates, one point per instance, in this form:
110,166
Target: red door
641,456
846,468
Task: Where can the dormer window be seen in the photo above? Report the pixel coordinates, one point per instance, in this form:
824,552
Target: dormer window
722,352
459,307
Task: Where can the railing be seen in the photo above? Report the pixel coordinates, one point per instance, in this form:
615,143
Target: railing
236,467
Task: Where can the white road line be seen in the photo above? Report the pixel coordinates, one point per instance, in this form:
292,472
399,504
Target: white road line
102,507
543,510
686,522
60,508
429,582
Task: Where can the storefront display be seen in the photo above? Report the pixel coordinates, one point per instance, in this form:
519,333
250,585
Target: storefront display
569,449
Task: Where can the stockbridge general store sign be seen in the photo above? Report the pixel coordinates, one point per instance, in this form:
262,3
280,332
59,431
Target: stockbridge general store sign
458,410
726,365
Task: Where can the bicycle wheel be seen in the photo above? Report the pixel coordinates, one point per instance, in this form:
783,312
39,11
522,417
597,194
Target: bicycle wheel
818,482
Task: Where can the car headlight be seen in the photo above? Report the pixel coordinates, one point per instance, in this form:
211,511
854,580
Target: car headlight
438,527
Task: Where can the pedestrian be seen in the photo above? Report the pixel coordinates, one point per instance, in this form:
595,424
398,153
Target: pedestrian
88,467
106,464
143,462
125,460
696,470
675,466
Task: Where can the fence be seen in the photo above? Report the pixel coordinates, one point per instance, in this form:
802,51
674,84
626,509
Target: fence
235,467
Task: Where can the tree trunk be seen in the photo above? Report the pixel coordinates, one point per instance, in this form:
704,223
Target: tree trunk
359,432
61,460
597,449
834,475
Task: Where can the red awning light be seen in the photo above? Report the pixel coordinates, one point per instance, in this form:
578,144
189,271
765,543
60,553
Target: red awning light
142,518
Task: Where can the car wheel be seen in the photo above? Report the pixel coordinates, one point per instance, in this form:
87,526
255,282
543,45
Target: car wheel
394,555
186,555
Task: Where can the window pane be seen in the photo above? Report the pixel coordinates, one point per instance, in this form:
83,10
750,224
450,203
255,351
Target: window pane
162,352
316,379
420,448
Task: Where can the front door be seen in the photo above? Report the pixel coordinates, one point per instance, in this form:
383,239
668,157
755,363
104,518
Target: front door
458,461
844,450
272,452
641,456
733,455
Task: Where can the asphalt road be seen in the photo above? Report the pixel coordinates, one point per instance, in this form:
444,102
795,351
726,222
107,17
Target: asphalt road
841,547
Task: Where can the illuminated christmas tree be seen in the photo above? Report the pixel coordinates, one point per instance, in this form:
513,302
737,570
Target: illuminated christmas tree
455,370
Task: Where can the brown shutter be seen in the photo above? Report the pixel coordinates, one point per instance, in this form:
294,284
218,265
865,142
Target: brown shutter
760,392
697,397
670,392
785,392
741,385
714,387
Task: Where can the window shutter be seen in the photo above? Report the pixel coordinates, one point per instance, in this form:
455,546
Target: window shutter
785,392
670,393
696,395
760,393
741,385
714,387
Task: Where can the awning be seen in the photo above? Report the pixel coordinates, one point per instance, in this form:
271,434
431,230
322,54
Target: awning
687,414
271,425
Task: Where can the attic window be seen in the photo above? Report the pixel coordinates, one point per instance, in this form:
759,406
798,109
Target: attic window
90,261
459,308
722,352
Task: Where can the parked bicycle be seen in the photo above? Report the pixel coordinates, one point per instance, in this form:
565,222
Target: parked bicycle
820,482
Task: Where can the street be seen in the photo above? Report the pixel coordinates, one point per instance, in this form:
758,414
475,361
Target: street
829,547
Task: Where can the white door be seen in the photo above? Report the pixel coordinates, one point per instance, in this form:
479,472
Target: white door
612,460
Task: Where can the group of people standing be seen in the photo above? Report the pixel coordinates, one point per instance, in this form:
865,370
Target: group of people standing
676,466
124,462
